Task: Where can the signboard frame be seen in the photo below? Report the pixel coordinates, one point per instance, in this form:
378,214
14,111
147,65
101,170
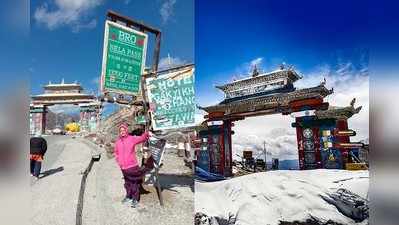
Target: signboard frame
103,89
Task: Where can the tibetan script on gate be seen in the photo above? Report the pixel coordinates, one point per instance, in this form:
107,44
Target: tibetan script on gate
124,56
173,99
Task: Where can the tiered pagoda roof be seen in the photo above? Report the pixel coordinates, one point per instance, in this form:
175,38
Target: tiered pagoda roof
62,98
62,93
278,81
268,93
289,74
270,104
63,86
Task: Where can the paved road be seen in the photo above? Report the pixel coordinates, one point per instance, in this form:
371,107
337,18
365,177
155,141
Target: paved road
55,146
55,195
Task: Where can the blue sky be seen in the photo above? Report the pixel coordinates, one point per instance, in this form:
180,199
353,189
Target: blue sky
335,39
302,33
66,36
305,34
320,39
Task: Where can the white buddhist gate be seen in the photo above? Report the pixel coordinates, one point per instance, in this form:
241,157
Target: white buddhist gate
63,93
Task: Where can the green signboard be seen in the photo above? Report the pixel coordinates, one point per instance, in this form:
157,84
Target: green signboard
172,99
37,110
124,56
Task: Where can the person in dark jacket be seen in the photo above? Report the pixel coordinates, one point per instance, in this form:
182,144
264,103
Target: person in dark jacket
38,148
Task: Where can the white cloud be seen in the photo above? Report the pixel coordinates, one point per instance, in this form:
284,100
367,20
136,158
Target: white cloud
72,13
274,130
168,62
246,68
199,117
166,10
347,81
92,24
256,62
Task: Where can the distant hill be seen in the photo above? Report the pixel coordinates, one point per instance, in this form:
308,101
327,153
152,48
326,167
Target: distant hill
59,119
289,164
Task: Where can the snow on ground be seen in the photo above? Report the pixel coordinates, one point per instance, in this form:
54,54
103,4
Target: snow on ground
274,196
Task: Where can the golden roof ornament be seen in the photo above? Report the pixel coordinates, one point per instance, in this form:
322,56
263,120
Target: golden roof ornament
339,112
255,71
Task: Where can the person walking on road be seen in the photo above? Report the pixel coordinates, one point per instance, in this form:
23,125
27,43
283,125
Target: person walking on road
125,156
38,148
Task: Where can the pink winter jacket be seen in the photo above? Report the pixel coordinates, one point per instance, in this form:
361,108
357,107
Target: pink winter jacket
125,153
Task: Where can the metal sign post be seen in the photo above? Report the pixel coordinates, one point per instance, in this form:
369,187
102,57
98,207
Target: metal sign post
142,29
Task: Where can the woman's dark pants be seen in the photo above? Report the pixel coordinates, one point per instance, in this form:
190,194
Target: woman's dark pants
133,178
35,167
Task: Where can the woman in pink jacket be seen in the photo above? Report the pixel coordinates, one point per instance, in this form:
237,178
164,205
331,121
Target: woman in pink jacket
125,156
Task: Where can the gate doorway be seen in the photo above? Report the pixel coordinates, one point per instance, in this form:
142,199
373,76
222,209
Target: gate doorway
270,139
58,116
274,93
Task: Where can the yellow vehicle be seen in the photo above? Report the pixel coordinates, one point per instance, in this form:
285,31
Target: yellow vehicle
72,127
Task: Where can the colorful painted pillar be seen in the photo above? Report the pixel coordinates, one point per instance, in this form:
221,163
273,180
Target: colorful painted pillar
38,119
89,116
342,125
308,130
324,143
228,153
215,153
84,117
81,120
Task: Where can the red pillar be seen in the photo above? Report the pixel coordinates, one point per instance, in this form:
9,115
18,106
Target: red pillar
342,124
228,154
301,153
308,157
38,123
43,122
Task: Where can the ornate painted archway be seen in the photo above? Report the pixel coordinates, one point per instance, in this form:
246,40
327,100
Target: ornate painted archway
274,93
63,93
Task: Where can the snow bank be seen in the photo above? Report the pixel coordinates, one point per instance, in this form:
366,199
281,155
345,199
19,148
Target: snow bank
271,197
